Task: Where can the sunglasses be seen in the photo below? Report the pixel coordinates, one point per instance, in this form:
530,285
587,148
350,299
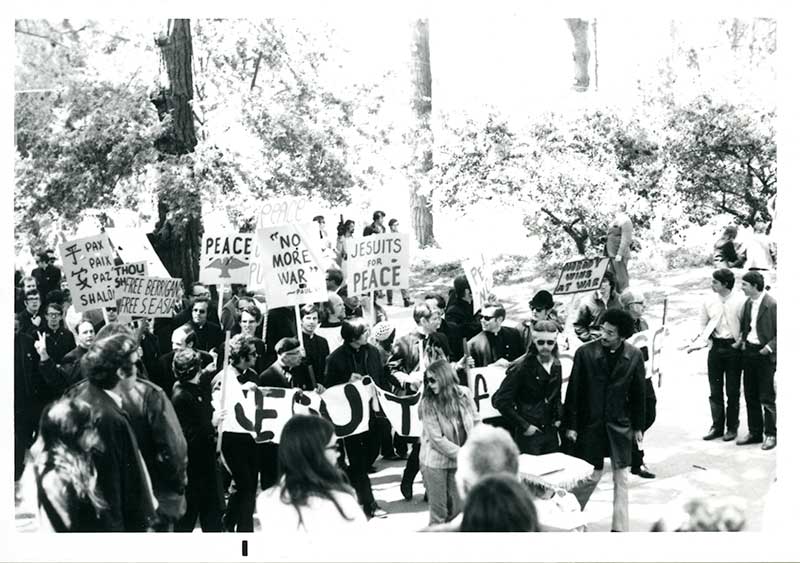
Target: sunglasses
543,342
428,380
488,317
538,309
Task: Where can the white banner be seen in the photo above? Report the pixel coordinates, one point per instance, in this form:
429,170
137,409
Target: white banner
402,412
132,245
377,262
226,258
483,383
347,406
294,268
479,276
89,270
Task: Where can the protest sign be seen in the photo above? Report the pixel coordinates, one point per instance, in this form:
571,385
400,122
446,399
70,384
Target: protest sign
584,274
347,406
89,270
286,210
226,258
480,279
132,245
651,343
483,383
294,270
377,262
132,269
145,296
402,412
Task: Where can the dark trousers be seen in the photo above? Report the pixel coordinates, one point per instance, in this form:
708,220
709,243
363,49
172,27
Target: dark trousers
637,455
412,463
24,435
203,493
724,370
268,464
241,455
380,437
357,449
539,443
759,392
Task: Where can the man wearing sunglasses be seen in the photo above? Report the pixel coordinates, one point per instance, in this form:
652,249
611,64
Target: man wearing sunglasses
530,395
541,305
495,344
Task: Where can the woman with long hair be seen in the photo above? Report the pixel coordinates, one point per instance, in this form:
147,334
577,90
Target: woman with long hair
312,494
448,415
66,478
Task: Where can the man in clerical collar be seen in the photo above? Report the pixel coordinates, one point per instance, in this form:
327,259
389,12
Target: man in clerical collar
495,344
279,374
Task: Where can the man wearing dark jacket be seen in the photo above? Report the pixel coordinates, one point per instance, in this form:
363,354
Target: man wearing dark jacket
587,325
376,227
495,344
122,477
209,335
530,395
460,317
60,341
30,318
604,408
352,361
182,337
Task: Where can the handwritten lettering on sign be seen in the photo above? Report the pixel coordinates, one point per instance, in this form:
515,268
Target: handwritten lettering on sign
132,269
283,211
294,271
144,296
479,277
378,262
581,275
89,270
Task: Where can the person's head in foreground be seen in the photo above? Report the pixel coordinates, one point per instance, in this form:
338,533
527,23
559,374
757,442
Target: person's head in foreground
307,467
488,450
499,503
701,515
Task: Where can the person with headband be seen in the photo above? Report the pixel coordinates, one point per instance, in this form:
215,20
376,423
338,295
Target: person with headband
530,395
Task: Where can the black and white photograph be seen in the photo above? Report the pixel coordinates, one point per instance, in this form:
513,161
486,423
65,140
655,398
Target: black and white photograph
354,280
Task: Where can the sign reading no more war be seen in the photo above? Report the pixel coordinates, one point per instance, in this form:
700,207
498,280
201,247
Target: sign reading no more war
294,269
378,262
584,274
145,296
226,258
89,270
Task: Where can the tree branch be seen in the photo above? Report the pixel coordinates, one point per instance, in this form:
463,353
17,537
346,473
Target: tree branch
52,41
255,72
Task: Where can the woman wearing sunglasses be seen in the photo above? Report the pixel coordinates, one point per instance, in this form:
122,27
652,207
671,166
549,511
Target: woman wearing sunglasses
448,416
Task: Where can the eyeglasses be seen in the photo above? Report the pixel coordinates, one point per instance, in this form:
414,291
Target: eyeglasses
543,342
54,315
334,447
488,317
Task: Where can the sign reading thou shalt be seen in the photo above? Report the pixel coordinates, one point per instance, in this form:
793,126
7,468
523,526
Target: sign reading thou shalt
378,262
294,269
89,270
226,258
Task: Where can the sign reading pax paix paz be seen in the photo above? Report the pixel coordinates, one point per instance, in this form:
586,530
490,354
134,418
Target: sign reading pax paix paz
89,270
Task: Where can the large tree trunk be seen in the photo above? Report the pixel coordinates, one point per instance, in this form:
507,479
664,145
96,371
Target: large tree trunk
176,238
421,216
579,29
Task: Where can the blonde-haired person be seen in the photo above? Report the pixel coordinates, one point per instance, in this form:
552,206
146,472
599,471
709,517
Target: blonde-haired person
448,416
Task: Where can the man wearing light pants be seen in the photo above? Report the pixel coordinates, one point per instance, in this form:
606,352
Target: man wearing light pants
604,410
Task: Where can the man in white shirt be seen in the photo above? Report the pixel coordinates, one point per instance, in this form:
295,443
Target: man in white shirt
720,319
759,333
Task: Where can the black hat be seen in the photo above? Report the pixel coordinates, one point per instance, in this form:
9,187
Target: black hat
543,298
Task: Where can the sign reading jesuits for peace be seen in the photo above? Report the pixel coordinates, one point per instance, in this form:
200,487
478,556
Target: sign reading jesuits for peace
479,277
294,271
145,296
581,275
89,270
226,258
378,262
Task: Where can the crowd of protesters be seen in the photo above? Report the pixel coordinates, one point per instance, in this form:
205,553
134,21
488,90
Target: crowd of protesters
125,428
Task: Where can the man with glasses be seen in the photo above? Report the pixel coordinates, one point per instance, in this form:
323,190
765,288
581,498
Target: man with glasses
541,305
47,274
495,344
632,301
530,395
209,335
60,341
604,409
